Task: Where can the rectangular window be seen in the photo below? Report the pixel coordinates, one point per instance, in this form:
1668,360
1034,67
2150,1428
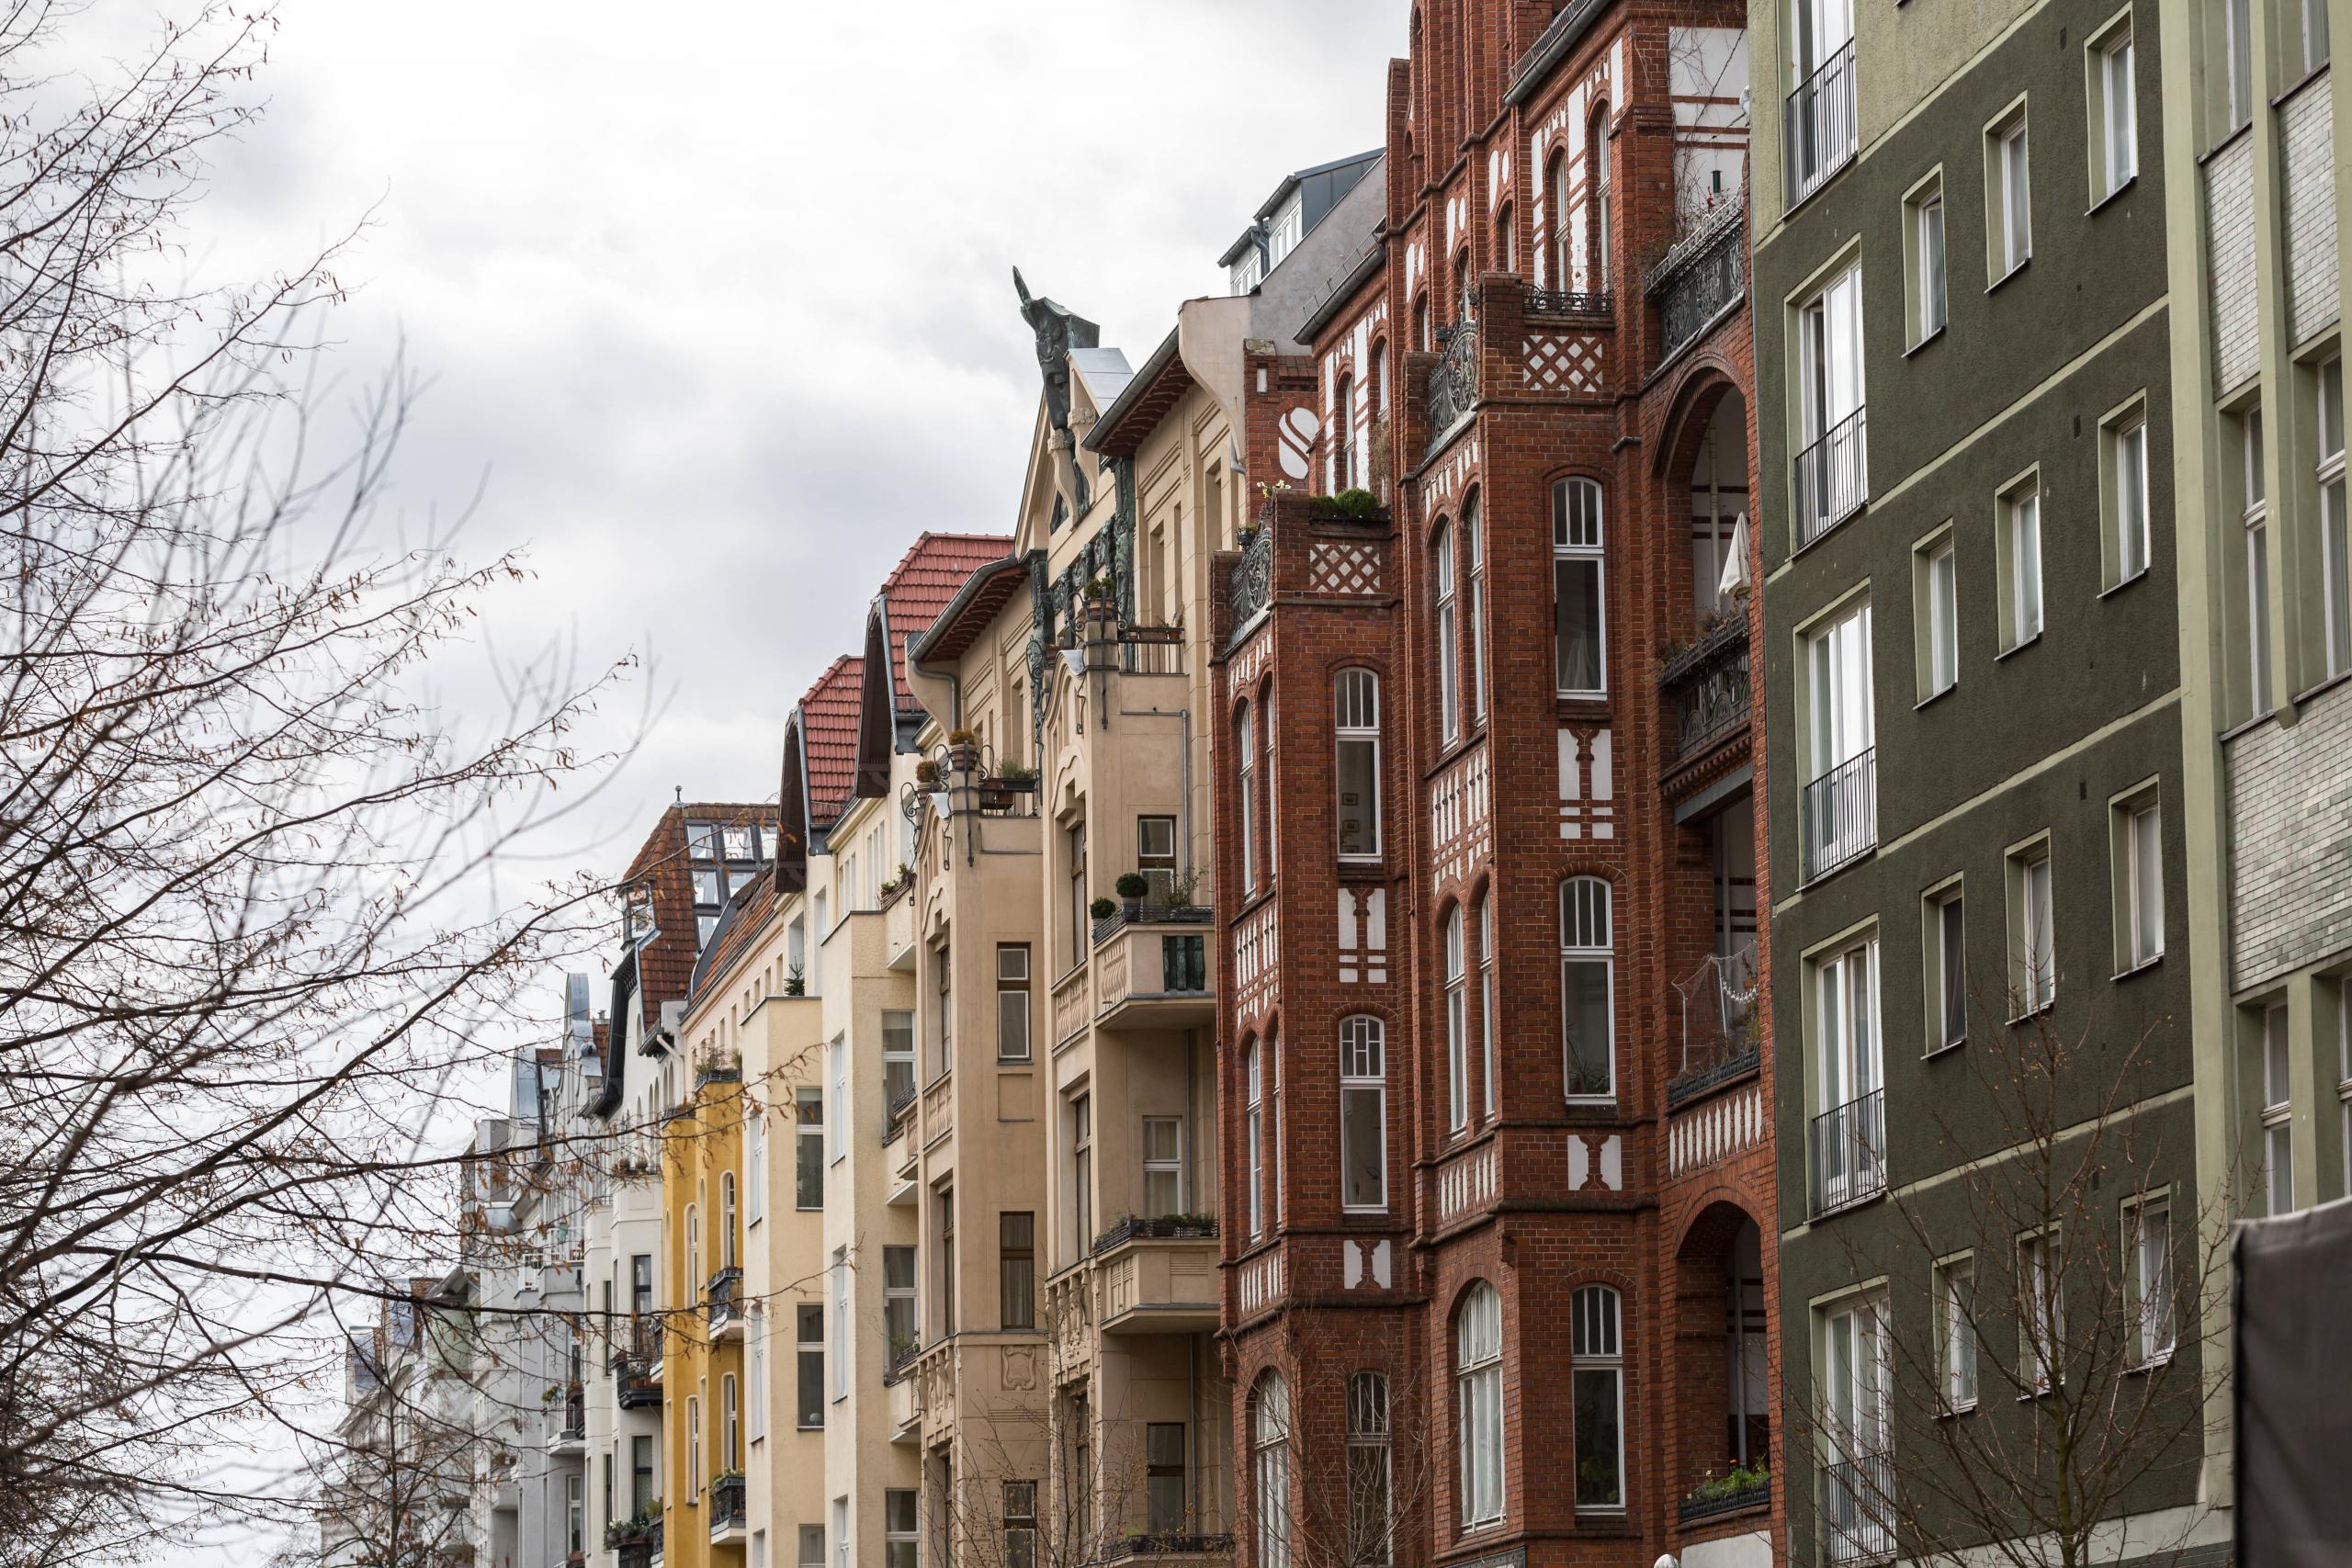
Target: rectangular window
1857,1481
1016,1270
2341,994
756,1393
1956,1332
2307,37
812,1546
640,1476
1923,244
1848,1139
1020,1524
841,1533
1082,920
2135,848
1579,612
1363,1114
755,1165
1475,533
1588,999
1163,1166
942,971
1155,856
730,1428
2115,112
2019,542
1831,472
898,1059
2150,1281
1356,758
1165,1490
1082,1175
2255,569
2042,1314
694,1446
899,1324
1012,1001
1820,108
1935,578
2277,1111
809,1167
1449,651
901,1534
2335,537
2124,446
2033,963
1254,1134
1493,1053
837,1129
840,1323
1839,808
1947,975
1457,1030
947,1270
809,1316
2007,196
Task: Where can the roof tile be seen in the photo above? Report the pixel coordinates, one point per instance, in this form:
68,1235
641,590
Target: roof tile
920,586
828,739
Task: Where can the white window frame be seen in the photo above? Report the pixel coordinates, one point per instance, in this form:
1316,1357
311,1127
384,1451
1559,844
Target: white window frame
840,1323
1370,1474
1169,1166
1363,1097
2136,846
1580,538
1927,254
1956,1337
1356,716
1946,976
1245,746
1479,1408
2255,522
1254,1131
1457,1026
837,1124
2154,1299
755,1165
808,1098
1587,939
2275,1042
1008,1012
2334,529
1595,1314
2129,545
1491,1052
1474,530
730,1424
2042,1341
2023,600
1854,1351
2033,943
1849,1067
1449,651
2009,185
2115,102
1269,1469
1938,615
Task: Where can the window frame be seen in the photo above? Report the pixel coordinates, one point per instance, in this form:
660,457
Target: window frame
1927,261
1583,945
2254,521
1935,615
2110,53
1356,723
2335,524
1481,1424
2135,852
1363,1081
1245,769
2008,176
1589,553
1597,1352
2127,543
1371,1473
2275,1088
1959,1375
808,1099
2150,1314
2040,1254
2031,878
2017,539
1007,987
1474,532
1017,1265
1447,632
809,1367
1269,1469
1167,1166
1457,1024
1944,908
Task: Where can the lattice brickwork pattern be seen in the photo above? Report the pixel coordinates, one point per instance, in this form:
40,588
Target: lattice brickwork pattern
1348,567
1574,363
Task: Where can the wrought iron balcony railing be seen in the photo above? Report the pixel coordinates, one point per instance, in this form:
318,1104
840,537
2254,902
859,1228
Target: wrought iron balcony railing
1838,818
1833,477
1251,588
1569,302
726,1504
1701,278
1167,1227
1819,136
1164,1543
1709,686
1453,382
1849,1153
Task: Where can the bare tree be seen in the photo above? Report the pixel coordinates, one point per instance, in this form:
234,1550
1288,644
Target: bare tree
2076,1290
257,923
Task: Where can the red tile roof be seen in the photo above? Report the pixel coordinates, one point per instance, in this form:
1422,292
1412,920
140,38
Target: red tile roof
828,739
666,961
925,579
746,913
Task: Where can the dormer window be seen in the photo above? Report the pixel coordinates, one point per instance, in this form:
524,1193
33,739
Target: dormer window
1286,228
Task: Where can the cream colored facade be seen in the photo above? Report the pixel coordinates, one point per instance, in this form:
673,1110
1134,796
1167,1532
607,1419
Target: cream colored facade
1070,1082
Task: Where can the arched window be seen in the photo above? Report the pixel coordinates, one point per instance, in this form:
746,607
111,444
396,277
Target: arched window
1465,287
1579,633
1474,530
1356,763
1507,239
1369,1480
726,1219
1269,1469
1458,1029
1422,323
1449,651
1558,251
1379,381
1487,1001
1254,1135
1600,1391
730,1427
1343,434
1596,183
1245,750
1588,962
1363,1114
1479,1404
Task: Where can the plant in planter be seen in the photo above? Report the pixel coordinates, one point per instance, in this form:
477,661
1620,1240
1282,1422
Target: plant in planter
963,750
1102,909
727,1478
1018,774
1347,506
927,773
795,983
1133,885
1737,1483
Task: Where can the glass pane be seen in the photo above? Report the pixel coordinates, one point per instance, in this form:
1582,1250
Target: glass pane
1361,1151
1599,1456
1163,1194
1585,991
1577,624
1359,801
1012,1025
1954,972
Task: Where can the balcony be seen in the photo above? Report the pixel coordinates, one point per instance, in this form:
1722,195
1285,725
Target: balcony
1838,816
938,1109
1703,278
904,1408
1251,587
1152,650
1166,1546
1858,1511
1818,125
1832,477
1159,1276
899,928
1706,686
638,1542
727,1510
726,1312
1073,1004
1453,383
1735,1493
1848,1152
1154,974
1719,1043
636,1368
572,1435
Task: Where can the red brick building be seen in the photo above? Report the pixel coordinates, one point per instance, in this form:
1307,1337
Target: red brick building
1497,1165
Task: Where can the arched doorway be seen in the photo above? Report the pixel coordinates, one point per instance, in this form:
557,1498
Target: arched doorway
1719,501
1722,1363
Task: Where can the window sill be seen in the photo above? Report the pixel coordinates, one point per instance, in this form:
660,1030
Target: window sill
2139,576
2221,146
1934,696
1999,283
1936,336
2140,968
2019,1019
1016,1061
1953,1412
2017,647
2108,199
2329,684
1946,1049
2154,1364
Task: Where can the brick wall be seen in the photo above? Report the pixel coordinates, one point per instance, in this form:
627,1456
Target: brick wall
2291,831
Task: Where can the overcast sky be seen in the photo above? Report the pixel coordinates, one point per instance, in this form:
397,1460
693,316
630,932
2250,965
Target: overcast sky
718,295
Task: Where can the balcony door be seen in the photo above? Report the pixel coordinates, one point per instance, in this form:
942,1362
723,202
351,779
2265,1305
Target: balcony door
1848,1144
1831,466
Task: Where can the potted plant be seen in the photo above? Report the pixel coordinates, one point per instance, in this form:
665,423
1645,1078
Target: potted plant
1102,909
795,983
1018,776
1133,885
1355,506
963,751
927,773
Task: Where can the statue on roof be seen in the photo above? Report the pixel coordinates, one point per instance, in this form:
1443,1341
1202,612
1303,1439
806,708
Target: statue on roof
1059,330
